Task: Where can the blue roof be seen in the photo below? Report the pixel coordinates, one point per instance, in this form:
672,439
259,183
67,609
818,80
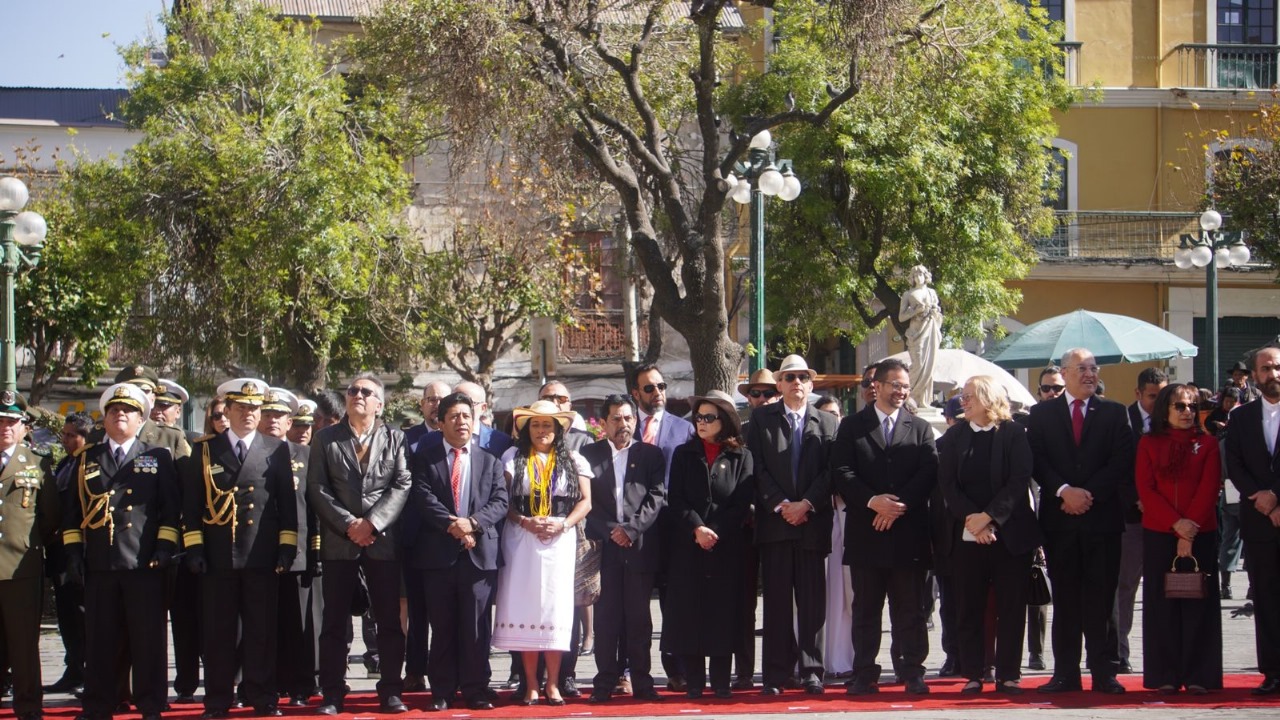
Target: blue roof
64,106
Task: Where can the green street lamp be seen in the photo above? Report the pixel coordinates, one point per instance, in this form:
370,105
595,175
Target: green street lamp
771,179
18,230
1213,250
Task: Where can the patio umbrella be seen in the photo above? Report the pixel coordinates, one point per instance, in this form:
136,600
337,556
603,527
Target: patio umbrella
1111,338
953,367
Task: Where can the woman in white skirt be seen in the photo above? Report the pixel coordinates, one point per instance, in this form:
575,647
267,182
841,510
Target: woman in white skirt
550,489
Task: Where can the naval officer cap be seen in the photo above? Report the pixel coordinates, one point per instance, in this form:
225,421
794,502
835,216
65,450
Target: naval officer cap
280,400
246,391
171,393
306,413
125,393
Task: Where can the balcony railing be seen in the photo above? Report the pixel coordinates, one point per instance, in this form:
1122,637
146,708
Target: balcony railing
1101,236
1227,66
597,336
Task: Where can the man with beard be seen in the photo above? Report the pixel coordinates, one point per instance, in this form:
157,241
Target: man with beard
1251,448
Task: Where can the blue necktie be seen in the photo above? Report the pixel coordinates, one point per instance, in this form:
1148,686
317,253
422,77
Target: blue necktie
797,435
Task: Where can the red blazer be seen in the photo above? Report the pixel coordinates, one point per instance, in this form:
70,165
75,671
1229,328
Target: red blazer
1178,475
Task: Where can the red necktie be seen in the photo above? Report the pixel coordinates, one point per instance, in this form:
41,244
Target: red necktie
650,431
455,479
1077,419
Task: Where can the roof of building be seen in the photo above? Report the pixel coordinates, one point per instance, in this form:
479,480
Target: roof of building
64,106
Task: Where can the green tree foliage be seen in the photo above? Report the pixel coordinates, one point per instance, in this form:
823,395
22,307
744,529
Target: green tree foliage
943,161
1246,179
274,194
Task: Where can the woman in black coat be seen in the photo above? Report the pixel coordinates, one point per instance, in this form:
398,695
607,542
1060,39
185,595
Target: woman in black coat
984,471
709,497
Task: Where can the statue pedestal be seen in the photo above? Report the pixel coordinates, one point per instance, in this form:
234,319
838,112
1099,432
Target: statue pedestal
933,416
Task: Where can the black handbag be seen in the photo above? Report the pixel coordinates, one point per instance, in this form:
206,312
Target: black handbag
1185,585
1038,593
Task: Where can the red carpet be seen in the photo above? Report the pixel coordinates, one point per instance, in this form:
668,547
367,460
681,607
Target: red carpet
945,695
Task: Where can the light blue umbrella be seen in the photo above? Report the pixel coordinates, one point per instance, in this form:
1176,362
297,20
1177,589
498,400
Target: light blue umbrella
1111,338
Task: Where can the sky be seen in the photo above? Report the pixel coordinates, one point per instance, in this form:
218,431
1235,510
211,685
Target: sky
71,43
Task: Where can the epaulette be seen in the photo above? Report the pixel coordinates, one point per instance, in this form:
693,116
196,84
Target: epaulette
203,438
80,452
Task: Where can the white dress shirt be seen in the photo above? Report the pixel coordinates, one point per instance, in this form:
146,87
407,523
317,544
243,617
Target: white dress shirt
1270,423
620,472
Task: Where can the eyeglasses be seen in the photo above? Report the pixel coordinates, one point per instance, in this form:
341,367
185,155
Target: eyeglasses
756,392
1084,369
898,386
557,399
866,383
650,388
355,390
431,399
966,397
217,416
708,419
796,377
1186,407
1046,389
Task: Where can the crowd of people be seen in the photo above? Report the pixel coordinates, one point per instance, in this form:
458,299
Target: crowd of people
258,540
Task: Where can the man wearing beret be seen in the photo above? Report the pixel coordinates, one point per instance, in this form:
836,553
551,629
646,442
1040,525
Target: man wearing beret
119,531
240,524
29,517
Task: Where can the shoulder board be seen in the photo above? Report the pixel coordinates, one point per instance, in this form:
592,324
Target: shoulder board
205,438
82,450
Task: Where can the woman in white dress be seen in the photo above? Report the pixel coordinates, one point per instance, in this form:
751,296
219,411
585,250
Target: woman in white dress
550,489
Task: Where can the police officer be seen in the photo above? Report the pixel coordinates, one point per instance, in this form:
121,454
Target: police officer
304,418
151,433
119,530
29,517
240,528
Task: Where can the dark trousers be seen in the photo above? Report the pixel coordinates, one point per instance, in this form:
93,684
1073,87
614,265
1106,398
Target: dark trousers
1037,621
416,639
744,655
1262,560
68,601
124,607
695,668
1084,569
1181,639
948,612
793,577
296,628
340,580
983,574
622,615
20,606
243,601
905,589
184,619
1131,551
460,608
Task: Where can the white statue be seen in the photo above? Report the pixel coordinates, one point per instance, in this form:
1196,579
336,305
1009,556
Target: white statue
923,315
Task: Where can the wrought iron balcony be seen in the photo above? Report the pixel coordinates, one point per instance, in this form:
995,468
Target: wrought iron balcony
1103,236
1201,65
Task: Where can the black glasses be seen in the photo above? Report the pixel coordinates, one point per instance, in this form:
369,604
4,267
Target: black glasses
651,388
708,419
558,399
355,390
793,377
866,383
1052,388
217,416
756,392
1185,407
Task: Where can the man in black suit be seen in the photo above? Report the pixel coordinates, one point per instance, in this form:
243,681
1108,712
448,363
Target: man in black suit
1150,382
357,484
628,492
461,496
1252,464
1083,450
789,442
885,465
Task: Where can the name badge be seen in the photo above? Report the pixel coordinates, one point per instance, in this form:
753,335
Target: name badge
91,474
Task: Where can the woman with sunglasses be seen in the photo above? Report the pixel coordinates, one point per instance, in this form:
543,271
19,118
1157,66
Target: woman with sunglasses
1178,476
215,418
709,497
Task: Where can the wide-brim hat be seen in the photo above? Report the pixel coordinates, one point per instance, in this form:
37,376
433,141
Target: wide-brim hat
728,410
763,376
13,405
125,393
171,392
1239,367
795,363
542,408
280,400
139,375
247,391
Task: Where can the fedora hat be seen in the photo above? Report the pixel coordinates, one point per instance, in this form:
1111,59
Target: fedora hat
795,363
763,376
728,410
541,408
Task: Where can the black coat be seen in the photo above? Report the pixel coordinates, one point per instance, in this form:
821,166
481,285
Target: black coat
769,439
1252,469
432,500
339,491
643,497
1009,476
704,587
862,467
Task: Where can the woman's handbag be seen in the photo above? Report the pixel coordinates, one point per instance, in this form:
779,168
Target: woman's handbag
586,575
1185,585
1039,594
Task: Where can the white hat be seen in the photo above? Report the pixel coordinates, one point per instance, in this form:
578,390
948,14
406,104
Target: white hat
305,414
171,392
280,400
248,391
125,393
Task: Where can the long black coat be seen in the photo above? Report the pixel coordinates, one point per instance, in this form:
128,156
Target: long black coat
704,587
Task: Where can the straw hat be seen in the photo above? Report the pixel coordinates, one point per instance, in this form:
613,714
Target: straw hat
763,376
541,408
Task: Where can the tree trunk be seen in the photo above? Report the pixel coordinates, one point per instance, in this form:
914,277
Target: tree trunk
715,359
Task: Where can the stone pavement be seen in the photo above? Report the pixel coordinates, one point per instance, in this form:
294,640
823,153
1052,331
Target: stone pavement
1238,656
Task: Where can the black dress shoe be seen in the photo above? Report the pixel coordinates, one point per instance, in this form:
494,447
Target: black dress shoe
268,711
512,683
298,700
438,704
214,715
415,683
1036,662
479,704
723,693
328,708
184,699
814,687
973,687
916,686
1125,668
600,697
948,668
1269,686
1009,687
123,707
1108,685
569,688
770,690
151,716
743,683
677,684
862,687
693,694
392,704
1059,686
649,695
65,684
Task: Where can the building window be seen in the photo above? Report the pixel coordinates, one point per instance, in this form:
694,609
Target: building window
1057,9
1247,22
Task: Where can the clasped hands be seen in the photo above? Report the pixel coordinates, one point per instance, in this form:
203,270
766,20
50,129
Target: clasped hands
462,530
1265,502
888,509
361,532
546,528
705,537
1076,501
981,528
795,513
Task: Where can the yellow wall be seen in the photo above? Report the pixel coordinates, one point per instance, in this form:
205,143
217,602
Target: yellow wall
1126,42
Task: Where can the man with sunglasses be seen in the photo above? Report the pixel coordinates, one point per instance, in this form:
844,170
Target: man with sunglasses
1051,386
357,484
760,389
789,444
1083,451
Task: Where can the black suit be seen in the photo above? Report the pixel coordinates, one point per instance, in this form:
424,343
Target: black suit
1130,551
890,563
792,557
1253,469
1083,551
626,574
458,583
299,604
